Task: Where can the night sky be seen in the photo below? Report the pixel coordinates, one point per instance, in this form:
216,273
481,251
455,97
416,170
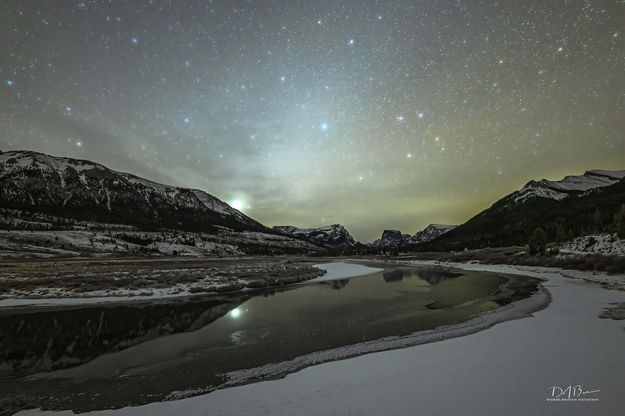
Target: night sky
372,114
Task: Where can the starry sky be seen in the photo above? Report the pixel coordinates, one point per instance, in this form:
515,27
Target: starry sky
372,114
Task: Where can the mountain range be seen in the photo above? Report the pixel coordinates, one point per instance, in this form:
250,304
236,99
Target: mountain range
90,191
80,190
394,239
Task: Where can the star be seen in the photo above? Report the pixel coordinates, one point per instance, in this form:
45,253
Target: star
278,97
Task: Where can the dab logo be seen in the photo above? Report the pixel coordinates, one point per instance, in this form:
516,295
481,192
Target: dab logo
572,393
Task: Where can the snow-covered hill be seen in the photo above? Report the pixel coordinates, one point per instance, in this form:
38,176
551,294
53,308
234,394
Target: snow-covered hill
47,236
87,190
332,236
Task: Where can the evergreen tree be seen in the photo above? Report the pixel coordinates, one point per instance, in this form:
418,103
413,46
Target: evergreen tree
538,242
597,220
560,234
619,222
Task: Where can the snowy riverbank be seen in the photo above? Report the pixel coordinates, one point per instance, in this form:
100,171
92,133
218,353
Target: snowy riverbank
333,271
86,282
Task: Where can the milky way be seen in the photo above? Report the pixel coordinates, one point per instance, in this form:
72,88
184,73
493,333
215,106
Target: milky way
373,114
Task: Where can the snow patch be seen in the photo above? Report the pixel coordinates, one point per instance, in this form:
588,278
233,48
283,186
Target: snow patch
342,270
604,243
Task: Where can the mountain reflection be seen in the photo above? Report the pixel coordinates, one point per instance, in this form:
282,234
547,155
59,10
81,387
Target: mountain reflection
337,284
433,277
45,340
396,275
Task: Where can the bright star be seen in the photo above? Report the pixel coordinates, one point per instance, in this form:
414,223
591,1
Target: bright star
134,40
10,82
400,118
420,115
351,42
237,204
282,78
235,313
187,120
79,144
324,126
409,155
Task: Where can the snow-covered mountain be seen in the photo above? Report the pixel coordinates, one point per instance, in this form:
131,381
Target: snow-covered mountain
429,233
391,239
90,191
579,205
394,239
569,185
332,236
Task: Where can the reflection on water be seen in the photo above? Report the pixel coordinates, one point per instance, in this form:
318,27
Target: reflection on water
134,354
48,340
393,276
336,284
433,277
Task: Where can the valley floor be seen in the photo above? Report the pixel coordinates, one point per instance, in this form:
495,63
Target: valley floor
512,368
